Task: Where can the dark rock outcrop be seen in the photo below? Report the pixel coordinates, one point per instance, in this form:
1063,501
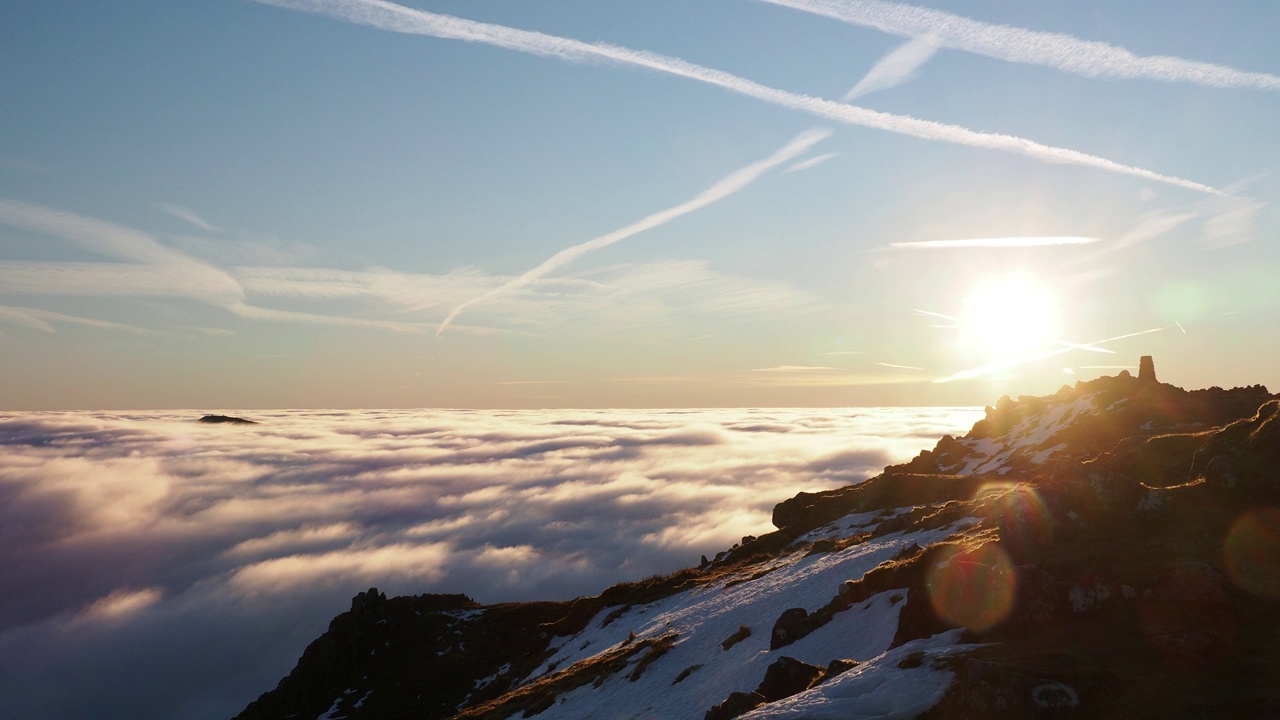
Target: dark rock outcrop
790,626
736,704
788,676
413,656
226,420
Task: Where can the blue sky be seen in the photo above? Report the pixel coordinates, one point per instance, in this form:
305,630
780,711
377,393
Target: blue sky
315,203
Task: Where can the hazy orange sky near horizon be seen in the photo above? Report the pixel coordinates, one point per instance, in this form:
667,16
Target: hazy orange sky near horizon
734,203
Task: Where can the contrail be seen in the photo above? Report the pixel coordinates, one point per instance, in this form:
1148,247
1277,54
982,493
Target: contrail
397,18
1006,364
900,367
726,186
897,67
1059,51
808,163
1080,346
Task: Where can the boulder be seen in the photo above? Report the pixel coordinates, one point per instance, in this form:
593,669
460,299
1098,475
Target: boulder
788,676
838,666
791,625
736,704
994,690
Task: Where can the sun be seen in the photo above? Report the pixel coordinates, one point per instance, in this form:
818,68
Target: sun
1009,317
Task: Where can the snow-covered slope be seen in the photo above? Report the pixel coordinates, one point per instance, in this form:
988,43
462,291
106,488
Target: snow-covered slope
1029,568
701,619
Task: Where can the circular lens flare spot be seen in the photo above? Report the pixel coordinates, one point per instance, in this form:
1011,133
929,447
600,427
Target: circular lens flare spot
1025,520
973,587
1252,552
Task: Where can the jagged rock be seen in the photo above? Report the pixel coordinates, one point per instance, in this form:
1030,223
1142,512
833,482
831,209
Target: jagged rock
890,489
791,625
822,545
912,660
1092,492
1250,455
1223,471
1160,461
736,704
837,667
994,690
788,676
369,604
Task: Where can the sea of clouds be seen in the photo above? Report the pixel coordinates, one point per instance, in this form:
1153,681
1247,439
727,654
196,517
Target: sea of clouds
156,567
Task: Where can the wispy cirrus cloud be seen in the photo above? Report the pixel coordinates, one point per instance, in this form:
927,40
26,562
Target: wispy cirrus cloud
899,66
795,369
379,298
160,268
608,296
243,249
994,242
37,319
730,184
154,270
188,215
1063,52
398,18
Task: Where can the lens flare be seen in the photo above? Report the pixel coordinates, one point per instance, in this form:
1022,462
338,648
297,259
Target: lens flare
973,587
1025,521
1252,552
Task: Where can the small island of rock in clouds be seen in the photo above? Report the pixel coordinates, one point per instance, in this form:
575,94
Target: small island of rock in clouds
1112,550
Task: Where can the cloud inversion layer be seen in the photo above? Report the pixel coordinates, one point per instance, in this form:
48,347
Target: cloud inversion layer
156,567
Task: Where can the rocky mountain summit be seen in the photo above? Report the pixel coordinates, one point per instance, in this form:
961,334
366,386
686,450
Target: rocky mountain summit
1112,550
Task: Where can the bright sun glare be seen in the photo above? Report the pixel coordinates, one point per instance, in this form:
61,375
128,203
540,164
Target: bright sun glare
1008,317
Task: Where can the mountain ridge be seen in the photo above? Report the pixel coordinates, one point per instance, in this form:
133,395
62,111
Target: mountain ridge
1109,550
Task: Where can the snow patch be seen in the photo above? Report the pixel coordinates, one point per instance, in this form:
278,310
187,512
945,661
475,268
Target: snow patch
993,455
702,618
876,689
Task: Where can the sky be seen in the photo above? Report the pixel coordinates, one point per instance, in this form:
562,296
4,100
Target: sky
725,203
155,567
